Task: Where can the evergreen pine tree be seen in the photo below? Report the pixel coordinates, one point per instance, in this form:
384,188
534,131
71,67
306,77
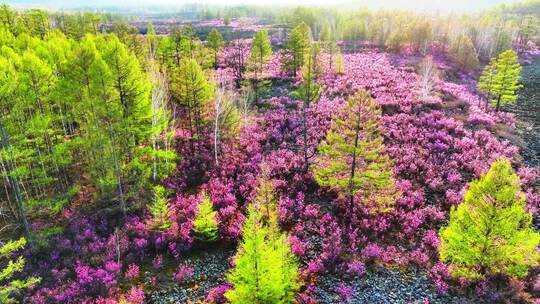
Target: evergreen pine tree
265,268
215,43
490,232
486,82
298,46
159,209
352,160
309,91
205,224
261,49
193,92
8,286
500,79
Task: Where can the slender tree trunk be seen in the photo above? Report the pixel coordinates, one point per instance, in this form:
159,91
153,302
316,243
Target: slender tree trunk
117,243
118,174
15,185
216,124
353,165
498,103
304,135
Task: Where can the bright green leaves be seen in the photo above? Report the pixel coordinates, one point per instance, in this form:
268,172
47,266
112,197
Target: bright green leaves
215,43
500,79
159,208
193,91
205,224
80,107
490,232
7,286
261,49
298,47
352,160
265,270
310,90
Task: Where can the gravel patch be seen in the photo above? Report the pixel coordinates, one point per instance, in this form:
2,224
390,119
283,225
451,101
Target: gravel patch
209,270
386,286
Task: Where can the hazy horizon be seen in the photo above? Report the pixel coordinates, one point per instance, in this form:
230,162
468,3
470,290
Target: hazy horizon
433,5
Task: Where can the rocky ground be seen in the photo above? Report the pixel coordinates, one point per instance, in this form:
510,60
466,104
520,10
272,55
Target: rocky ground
209,269
526,110
390,286
377,286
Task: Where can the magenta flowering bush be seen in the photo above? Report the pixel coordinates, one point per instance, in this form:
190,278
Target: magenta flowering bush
179,236
344,292
135,296
183,273
132,272
217,294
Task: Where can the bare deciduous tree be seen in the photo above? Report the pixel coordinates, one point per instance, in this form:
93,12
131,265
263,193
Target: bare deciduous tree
429,76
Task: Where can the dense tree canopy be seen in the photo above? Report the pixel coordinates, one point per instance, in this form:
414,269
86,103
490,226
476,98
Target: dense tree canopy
490,231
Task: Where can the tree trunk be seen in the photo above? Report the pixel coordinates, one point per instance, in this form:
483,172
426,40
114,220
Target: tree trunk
304,134
15,185
353,165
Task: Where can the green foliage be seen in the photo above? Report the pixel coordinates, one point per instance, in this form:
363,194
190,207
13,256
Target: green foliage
8,286
261,49
339,69
490,232
310,90
463,53
395,41
215,43
352,160
160,209
500,79
76,25
205,224
298,47
265,270
76,108
153,41
113,111
182,43
354,30
192,91
419,34
486,82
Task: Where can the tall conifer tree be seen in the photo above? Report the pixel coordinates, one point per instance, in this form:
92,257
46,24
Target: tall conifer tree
491,232
352,160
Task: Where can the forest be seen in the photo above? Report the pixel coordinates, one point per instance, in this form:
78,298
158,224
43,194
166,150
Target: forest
258,154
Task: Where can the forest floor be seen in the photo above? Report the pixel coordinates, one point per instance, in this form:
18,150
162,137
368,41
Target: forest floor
379,285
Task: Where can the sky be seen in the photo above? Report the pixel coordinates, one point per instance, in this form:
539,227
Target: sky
443,5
